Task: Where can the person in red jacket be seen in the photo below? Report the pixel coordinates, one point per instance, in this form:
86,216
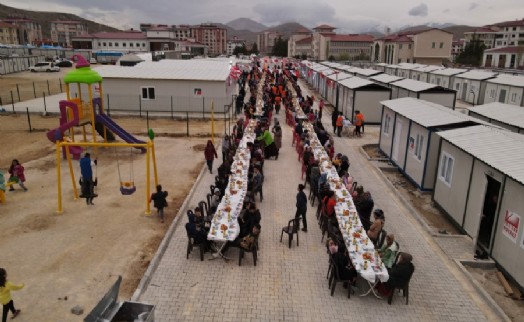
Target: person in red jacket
16,172
210,154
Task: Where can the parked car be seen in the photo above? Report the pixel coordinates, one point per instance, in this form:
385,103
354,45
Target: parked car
44,67
93,60
64,63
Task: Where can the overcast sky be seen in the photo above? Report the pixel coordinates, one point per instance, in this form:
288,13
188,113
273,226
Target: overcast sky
347,15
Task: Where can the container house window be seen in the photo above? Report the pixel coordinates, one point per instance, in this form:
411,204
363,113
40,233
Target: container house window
148,93
441,45
387,121
514,97
446,168
419,142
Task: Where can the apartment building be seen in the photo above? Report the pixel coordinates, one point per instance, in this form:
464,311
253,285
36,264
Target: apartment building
62,31
299,37
266,41
321,36
234,43
352,47
122,41
498,35
29,32
211,35
429,47
8,34
485,35
457,46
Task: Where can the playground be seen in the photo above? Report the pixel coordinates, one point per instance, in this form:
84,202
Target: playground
72,258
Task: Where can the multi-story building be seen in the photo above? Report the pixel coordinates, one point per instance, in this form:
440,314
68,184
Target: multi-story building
351,47
511,57
266,41
510,33
300,38
29,32
429,47
122,41
211,35
457,46
321,36
62,32
234,43
486,35
8,34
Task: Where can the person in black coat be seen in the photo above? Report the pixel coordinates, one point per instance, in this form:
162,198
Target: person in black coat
159,201
345,270
344,166
401,272
334,118
302,206
364,208
197,233
249,220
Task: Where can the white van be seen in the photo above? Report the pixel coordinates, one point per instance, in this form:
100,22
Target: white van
44,67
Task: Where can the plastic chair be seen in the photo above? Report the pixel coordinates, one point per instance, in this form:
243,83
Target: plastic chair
335,278
204,208
292,228
191,243
212,189
253,250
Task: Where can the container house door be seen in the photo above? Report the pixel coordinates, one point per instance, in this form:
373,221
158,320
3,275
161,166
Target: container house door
396,140
489,212
502,96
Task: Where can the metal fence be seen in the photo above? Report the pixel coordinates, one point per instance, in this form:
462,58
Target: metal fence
19,92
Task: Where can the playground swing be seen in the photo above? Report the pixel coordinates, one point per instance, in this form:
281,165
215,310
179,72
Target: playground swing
126,187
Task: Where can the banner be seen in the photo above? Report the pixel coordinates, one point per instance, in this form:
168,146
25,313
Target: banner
511,225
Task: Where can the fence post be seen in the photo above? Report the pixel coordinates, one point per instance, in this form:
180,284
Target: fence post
29,119
107,103
34,89
172,117
13,102
147,120
203,106
45,105
48,89
187,123
139,106
60,82
18,92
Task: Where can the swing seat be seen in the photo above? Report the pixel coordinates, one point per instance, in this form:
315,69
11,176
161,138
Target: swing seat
127,188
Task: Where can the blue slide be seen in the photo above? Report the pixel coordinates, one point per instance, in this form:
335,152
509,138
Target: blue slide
115,128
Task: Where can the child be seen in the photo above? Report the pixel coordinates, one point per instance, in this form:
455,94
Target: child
16,172
159,201
5,295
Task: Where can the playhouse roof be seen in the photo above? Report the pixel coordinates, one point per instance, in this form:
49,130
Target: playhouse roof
83,75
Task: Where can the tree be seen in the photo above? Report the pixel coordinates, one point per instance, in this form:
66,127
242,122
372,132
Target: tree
331,58
343,57
254,49
240,50
279,47
473,52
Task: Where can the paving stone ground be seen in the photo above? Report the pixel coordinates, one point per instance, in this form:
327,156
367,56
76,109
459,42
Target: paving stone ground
290,284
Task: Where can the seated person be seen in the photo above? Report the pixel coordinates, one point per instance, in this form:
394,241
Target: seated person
337,160
329,204
389,250
344,166
195,232
199,216
245,242
399,274
249,220
377,226
345,270
215,201
364,207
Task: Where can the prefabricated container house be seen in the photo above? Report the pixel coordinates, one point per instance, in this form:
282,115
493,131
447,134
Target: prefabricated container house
505,89
321,85
168,85
470,85
445,77
405,69
422,73
507,116
385,79
359,94
408,136
332,85
381,67
480,185
424,91
391,69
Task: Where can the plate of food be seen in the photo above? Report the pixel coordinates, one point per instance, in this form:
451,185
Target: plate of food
367,256
356,235
346,212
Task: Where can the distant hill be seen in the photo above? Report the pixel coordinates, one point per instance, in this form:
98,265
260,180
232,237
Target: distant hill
457,30
45,18
246,24
288,28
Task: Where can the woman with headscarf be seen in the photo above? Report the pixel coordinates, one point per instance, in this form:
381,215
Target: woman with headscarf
210,154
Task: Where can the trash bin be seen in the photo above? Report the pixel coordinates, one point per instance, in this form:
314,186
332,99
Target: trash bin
109,310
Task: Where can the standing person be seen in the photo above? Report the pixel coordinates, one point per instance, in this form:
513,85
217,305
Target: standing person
277,133
159,201
320,108
5,295
301,206
334,118
226,146
86,181
340,124
210,154
359,122
16,172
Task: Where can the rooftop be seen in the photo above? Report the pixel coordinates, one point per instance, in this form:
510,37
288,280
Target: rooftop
511,80
339,76
500,149
357,82
385,78
359,38
305,41
324,26
138,35
449,71
513,23
505,113
508,49
427,114
417,86
6,25
167,69
477,75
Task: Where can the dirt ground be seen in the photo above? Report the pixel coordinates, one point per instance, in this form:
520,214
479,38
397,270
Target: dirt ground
373,151
514,309
25,81
73,258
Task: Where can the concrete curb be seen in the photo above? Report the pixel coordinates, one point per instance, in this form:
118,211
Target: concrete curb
142,286
485,296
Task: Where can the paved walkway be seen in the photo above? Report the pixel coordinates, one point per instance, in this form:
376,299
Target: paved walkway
290,284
